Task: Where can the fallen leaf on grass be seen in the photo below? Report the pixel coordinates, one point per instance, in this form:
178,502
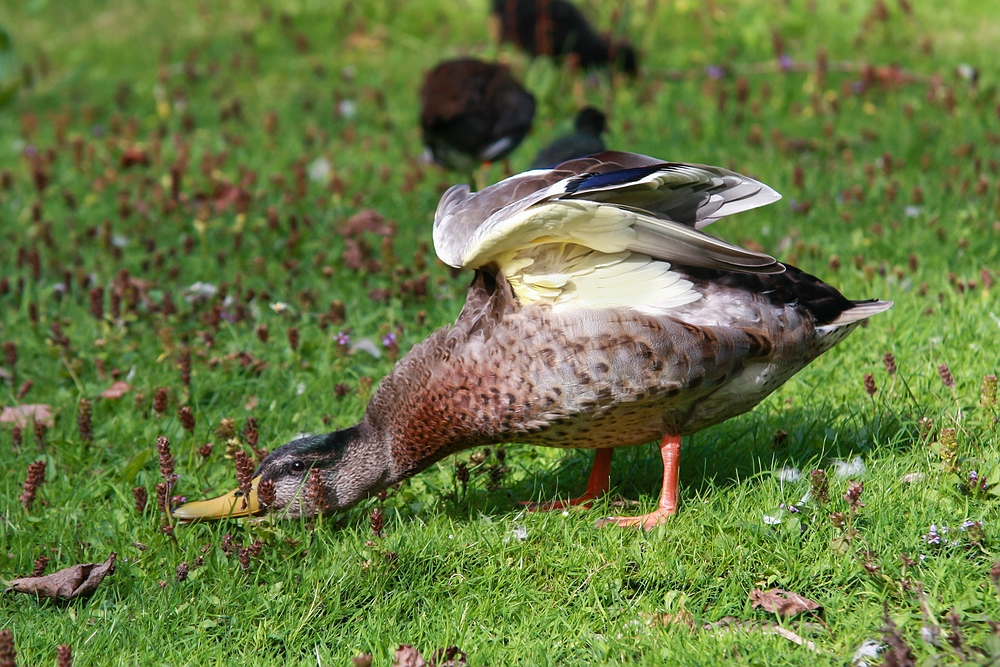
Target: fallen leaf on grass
116,390
353,256
363,660
781,602
728,623
72,582
20,414
368,220
407,656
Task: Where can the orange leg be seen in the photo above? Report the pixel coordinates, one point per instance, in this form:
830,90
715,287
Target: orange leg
670,450
597,485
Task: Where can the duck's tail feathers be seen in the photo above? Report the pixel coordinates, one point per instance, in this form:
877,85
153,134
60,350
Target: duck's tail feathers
862,310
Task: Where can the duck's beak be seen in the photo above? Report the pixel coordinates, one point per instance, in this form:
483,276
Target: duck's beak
223,507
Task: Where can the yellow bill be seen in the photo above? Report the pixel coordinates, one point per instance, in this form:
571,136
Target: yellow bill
223,507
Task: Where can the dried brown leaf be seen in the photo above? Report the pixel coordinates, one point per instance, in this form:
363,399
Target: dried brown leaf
66,584
407,656
781,602
353,256
19,415
116,390
363,660
368,220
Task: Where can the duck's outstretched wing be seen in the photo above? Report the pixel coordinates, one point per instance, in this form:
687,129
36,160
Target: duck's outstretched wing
599,226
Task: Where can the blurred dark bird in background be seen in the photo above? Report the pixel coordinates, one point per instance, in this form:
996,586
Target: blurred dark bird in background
583,141
557,28
473,112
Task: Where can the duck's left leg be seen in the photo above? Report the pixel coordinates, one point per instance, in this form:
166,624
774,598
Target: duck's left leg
670,450
597,485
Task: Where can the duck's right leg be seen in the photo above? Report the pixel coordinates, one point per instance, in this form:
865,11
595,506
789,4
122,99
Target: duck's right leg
597,485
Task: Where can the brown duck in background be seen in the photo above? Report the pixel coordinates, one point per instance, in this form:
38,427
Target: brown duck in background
473,112
557,28
600,316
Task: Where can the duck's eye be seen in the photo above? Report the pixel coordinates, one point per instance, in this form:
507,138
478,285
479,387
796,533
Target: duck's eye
298,466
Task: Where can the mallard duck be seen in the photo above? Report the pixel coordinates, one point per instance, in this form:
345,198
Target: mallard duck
583,141
473,112
600,316
557,28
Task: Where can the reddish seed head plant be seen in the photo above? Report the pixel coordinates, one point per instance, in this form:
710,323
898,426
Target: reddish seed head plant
160,401
141,498
8,656
870,387
890,363
244,474
186,417
946,377
35,478
266,493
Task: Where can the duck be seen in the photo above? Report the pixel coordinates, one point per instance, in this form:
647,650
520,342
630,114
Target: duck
600,315
588,126
557,28
473,112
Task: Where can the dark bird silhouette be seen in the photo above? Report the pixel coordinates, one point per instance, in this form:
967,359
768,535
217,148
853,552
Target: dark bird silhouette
473,112
583,141
557,28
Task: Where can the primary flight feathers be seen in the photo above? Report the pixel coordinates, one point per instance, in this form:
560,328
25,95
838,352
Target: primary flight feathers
602,230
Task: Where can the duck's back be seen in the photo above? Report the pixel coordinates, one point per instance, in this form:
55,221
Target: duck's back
608,377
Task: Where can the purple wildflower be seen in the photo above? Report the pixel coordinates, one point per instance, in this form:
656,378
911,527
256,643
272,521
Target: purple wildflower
932,536
342,339
715,72
389,339
785,62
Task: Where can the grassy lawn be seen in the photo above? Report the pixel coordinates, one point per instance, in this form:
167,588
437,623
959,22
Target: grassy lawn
174,182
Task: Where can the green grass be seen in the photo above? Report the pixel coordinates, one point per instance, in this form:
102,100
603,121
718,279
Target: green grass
450,569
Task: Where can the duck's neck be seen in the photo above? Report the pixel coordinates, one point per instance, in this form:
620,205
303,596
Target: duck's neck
423,415
420,426
432,403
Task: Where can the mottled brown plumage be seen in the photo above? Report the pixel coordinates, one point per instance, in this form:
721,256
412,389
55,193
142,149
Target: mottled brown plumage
691,347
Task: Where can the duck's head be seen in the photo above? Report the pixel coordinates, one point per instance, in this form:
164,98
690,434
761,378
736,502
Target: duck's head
349,465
